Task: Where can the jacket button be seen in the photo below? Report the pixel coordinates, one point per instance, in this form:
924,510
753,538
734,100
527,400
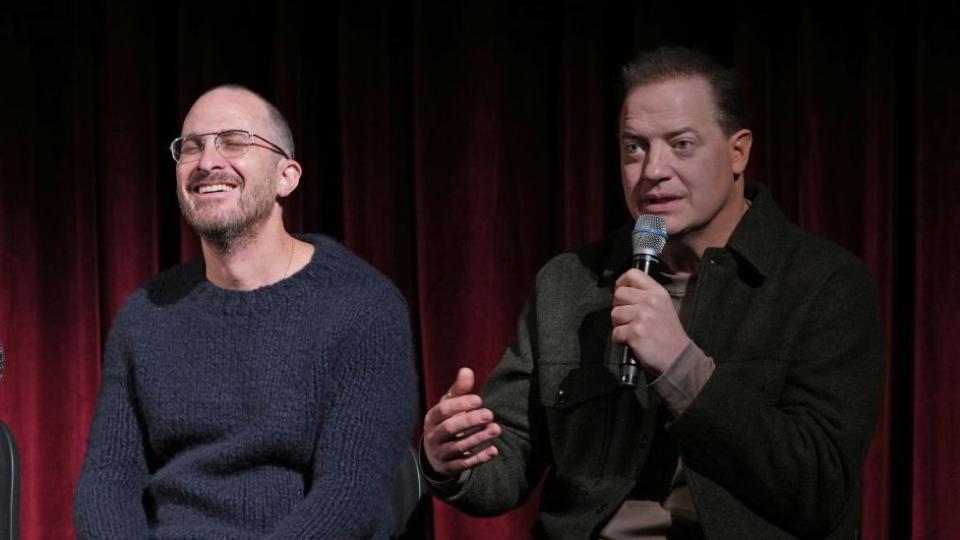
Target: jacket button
561,397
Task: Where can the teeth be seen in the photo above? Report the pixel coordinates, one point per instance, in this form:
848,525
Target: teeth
214,188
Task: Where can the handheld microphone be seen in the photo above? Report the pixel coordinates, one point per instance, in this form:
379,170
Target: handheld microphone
649,238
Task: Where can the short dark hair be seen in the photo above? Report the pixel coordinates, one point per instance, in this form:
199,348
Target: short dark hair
276,118
666,63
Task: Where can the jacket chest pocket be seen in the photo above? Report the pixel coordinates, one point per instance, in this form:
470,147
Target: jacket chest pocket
579,401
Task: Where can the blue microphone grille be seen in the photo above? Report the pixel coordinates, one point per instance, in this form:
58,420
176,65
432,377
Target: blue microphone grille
649,235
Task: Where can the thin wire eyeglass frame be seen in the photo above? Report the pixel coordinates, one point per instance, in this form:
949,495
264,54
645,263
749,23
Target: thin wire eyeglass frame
218,144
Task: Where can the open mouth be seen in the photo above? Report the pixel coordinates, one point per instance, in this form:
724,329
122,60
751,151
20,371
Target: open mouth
213,188
659,200
212,185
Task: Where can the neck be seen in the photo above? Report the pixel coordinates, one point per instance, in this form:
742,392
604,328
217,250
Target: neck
263,258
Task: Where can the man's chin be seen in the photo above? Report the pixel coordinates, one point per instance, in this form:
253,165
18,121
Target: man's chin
208,225
225,235
223,228
215,230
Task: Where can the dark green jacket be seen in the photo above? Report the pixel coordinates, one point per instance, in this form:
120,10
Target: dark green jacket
775,441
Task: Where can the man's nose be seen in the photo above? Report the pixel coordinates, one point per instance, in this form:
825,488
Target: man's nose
656,163
210,158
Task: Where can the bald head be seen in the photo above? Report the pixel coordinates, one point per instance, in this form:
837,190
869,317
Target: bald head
255,113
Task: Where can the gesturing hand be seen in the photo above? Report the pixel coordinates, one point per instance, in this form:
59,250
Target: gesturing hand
457,431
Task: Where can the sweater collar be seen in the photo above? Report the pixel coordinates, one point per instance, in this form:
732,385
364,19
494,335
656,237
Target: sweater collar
188,281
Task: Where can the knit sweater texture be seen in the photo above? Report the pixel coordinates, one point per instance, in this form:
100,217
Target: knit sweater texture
279,412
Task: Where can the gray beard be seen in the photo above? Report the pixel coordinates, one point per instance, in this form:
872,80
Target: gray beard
229,237
237,229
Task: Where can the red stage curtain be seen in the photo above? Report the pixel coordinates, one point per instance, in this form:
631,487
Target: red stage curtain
459,146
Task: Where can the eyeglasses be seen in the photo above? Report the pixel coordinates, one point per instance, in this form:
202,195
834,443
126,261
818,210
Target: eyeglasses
230,143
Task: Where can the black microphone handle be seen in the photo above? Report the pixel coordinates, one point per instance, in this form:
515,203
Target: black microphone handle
629,367
647,263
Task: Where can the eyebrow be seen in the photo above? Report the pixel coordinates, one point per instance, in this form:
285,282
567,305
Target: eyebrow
627,133
194,134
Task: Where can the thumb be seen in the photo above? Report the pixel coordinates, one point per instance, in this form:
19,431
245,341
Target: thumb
462,385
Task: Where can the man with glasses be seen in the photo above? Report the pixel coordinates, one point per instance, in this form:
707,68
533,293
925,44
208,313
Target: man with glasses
241,392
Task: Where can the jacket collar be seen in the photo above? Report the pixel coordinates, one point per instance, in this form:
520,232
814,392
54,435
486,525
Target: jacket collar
753,242
755,239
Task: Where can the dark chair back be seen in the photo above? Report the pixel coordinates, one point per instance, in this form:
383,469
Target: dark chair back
9,486
408,489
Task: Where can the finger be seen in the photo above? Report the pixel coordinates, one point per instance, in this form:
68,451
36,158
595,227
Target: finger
635,278
463,384
458,424
628,295
619,335
457,456
478,458
654,296
625,314
450,407
627,334
455,428
468,446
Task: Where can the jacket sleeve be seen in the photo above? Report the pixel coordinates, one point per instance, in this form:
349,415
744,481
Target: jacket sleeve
794,456
504,483
372,404
108,500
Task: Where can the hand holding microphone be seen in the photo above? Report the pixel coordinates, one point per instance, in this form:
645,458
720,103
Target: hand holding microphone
643,316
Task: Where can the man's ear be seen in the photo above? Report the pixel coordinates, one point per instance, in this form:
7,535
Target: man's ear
740,143
289,177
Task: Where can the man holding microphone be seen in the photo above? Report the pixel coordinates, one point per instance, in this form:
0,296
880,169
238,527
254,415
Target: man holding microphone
759,345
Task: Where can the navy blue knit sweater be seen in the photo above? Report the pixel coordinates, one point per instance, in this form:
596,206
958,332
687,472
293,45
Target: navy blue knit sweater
276,412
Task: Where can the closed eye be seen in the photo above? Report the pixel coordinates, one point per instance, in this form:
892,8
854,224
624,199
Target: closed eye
191,146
